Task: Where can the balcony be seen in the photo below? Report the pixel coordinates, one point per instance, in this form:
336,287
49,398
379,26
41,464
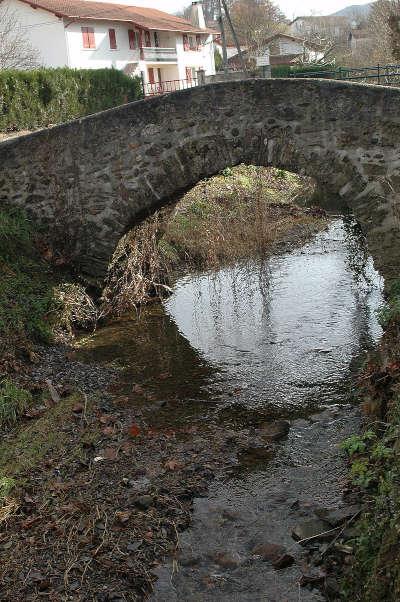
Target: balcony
160,55
173,85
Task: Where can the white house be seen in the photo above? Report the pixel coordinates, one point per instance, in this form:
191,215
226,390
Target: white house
165,49
285,49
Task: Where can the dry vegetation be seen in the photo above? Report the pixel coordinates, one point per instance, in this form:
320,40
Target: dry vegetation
241,213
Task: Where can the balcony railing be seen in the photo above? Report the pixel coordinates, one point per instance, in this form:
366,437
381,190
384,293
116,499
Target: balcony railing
172,85
160,55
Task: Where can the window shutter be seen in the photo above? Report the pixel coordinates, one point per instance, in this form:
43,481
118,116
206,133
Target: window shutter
185,42
85,37
92,43
113,39
88,37
189,74
198,41
132,39
151,75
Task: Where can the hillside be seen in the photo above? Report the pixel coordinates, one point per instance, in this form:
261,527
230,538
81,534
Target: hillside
354,10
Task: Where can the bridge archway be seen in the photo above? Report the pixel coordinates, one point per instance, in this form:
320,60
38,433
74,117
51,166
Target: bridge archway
90,180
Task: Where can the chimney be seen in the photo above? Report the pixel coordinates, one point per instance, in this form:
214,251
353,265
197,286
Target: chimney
197,15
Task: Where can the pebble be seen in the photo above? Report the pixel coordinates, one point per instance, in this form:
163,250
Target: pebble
275,431
283,562
269,551
144,501
309,528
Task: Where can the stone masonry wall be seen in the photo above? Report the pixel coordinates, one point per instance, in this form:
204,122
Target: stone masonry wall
90,180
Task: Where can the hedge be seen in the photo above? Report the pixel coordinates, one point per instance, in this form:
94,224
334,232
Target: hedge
38,98
290,70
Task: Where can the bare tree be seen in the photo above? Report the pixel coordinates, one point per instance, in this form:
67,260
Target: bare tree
385,31
16,52
255,21
330,35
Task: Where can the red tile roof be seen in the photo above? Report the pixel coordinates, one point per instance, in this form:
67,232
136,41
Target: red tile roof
146,18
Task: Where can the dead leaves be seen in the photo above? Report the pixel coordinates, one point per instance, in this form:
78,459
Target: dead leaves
134,430
123,516
173,465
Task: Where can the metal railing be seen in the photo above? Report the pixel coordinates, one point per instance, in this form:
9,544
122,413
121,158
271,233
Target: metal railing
386,75
160,55
172,85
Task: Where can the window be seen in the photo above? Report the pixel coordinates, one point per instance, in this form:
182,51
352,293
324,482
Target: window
198,41
192,45
132,39
189,74
113,39
159,75
156,40
151,76
88,37
185,42
147,40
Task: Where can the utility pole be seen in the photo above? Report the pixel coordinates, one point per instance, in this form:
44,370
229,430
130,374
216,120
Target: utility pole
228,16
223,38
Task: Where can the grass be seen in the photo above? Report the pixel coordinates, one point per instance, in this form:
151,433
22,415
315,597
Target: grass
375,469
32,443
390,312
13,402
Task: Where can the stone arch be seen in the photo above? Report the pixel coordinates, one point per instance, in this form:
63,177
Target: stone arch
92,179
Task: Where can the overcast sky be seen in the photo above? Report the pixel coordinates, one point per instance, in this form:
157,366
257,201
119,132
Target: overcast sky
292,8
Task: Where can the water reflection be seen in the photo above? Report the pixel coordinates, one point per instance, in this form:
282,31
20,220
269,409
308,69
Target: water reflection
285,330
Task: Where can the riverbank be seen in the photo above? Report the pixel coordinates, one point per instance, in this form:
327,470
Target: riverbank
98,479
372,569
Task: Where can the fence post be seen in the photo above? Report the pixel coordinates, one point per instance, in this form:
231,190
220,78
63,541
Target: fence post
143,85
201,77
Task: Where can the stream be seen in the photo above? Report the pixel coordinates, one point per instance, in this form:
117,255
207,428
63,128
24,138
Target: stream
264,340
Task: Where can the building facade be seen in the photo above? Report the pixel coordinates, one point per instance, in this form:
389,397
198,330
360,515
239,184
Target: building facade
81,34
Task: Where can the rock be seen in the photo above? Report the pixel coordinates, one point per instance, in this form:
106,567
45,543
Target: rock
309,528
189,560
227,560
283,561
269,551
254,454
144,501
337,516
132,546
274,431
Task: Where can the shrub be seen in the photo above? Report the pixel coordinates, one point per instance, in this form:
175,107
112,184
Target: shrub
38,98
292,70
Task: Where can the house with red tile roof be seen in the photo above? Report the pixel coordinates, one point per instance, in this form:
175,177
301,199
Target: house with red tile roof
83,34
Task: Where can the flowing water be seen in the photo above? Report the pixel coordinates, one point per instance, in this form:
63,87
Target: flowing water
279,338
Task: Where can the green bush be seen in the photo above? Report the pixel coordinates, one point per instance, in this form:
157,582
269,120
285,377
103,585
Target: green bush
38,98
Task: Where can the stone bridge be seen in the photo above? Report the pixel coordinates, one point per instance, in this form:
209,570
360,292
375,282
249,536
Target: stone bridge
88,181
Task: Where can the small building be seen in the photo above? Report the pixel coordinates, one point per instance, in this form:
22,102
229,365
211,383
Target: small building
166,50
282,49
359,39
329,26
